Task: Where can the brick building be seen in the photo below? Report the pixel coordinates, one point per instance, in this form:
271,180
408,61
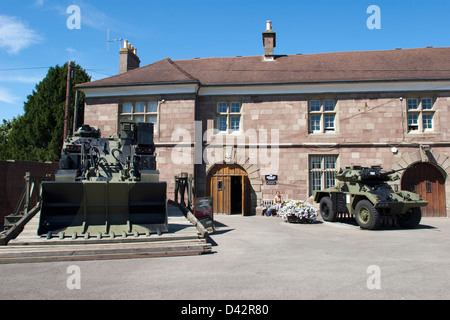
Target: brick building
232,121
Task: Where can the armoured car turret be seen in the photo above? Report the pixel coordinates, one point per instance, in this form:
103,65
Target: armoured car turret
365,194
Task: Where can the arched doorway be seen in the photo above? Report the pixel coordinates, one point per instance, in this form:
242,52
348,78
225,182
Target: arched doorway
229,187
426,180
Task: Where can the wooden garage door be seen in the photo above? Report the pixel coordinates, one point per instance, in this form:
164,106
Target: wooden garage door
427,181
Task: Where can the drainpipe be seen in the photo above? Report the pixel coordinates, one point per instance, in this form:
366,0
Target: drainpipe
196,166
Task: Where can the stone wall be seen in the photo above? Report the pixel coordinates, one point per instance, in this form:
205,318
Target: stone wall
367,128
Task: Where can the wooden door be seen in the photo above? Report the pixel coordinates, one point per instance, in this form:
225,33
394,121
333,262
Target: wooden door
427,181
220,182
220,192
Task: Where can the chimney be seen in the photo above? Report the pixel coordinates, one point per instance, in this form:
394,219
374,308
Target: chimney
269,42
128,60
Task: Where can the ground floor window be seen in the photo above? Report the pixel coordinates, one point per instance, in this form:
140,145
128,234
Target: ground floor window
321,172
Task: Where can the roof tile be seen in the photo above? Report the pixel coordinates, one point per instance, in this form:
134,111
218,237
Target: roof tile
403,64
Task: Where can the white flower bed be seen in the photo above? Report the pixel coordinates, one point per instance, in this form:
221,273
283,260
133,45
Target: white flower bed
298,211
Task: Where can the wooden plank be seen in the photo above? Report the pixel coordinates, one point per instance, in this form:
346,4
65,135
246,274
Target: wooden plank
184,238
19,226
100,253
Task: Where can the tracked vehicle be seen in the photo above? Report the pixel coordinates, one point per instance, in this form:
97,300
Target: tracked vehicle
105,187
365,194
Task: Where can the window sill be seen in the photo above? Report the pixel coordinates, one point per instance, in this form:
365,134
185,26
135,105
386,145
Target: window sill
422,134
226,133
324,135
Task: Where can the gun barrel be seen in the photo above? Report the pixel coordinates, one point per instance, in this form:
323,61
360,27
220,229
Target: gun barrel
394,171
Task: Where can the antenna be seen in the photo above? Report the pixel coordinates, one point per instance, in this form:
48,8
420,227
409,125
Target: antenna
113,40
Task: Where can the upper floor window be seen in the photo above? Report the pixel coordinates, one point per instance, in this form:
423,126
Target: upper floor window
322,116
420,114
140,111
228,116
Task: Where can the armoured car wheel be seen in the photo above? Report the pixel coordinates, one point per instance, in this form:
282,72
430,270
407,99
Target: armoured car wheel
326,209
366,215
411,219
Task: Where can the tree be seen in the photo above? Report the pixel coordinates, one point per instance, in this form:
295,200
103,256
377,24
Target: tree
38,134
5,129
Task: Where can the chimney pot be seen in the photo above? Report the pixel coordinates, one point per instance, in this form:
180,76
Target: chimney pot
128,59
269,42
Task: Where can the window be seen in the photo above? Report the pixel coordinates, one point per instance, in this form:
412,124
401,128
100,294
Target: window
420,115
329,122
140,111
315,123
228,116
322,116
427,120
413,122
321,172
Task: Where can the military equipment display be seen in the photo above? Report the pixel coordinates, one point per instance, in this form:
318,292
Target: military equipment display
365,194
105,187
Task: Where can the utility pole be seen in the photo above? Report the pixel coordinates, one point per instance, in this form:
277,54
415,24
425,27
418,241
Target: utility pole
75,113
68,90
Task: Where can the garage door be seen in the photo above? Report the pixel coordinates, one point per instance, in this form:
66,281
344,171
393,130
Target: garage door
427,181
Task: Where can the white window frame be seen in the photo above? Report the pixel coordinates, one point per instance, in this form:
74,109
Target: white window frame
135,115
225,109
424,108
320,108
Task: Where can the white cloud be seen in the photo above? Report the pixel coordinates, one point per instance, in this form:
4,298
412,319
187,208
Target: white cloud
17,78
71,50
15,34
6,96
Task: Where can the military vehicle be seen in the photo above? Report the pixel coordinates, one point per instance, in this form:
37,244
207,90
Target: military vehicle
364,193
105,187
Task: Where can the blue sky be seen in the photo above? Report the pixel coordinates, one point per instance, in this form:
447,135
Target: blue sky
34,34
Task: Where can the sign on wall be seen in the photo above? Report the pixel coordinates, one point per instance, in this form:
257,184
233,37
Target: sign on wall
271,179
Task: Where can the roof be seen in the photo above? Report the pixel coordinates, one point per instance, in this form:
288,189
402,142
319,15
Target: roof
386,65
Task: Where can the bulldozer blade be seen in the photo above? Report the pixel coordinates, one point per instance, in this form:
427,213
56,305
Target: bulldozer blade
101,208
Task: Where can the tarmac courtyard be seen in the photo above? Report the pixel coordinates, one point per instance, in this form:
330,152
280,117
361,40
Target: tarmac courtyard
260,258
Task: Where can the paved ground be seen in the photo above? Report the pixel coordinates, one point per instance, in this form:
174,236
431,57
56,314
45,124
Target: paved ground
261,258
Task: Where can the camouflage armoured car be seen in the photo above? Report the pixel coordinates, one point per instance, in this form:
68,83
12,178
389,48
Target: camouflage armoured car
365,194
